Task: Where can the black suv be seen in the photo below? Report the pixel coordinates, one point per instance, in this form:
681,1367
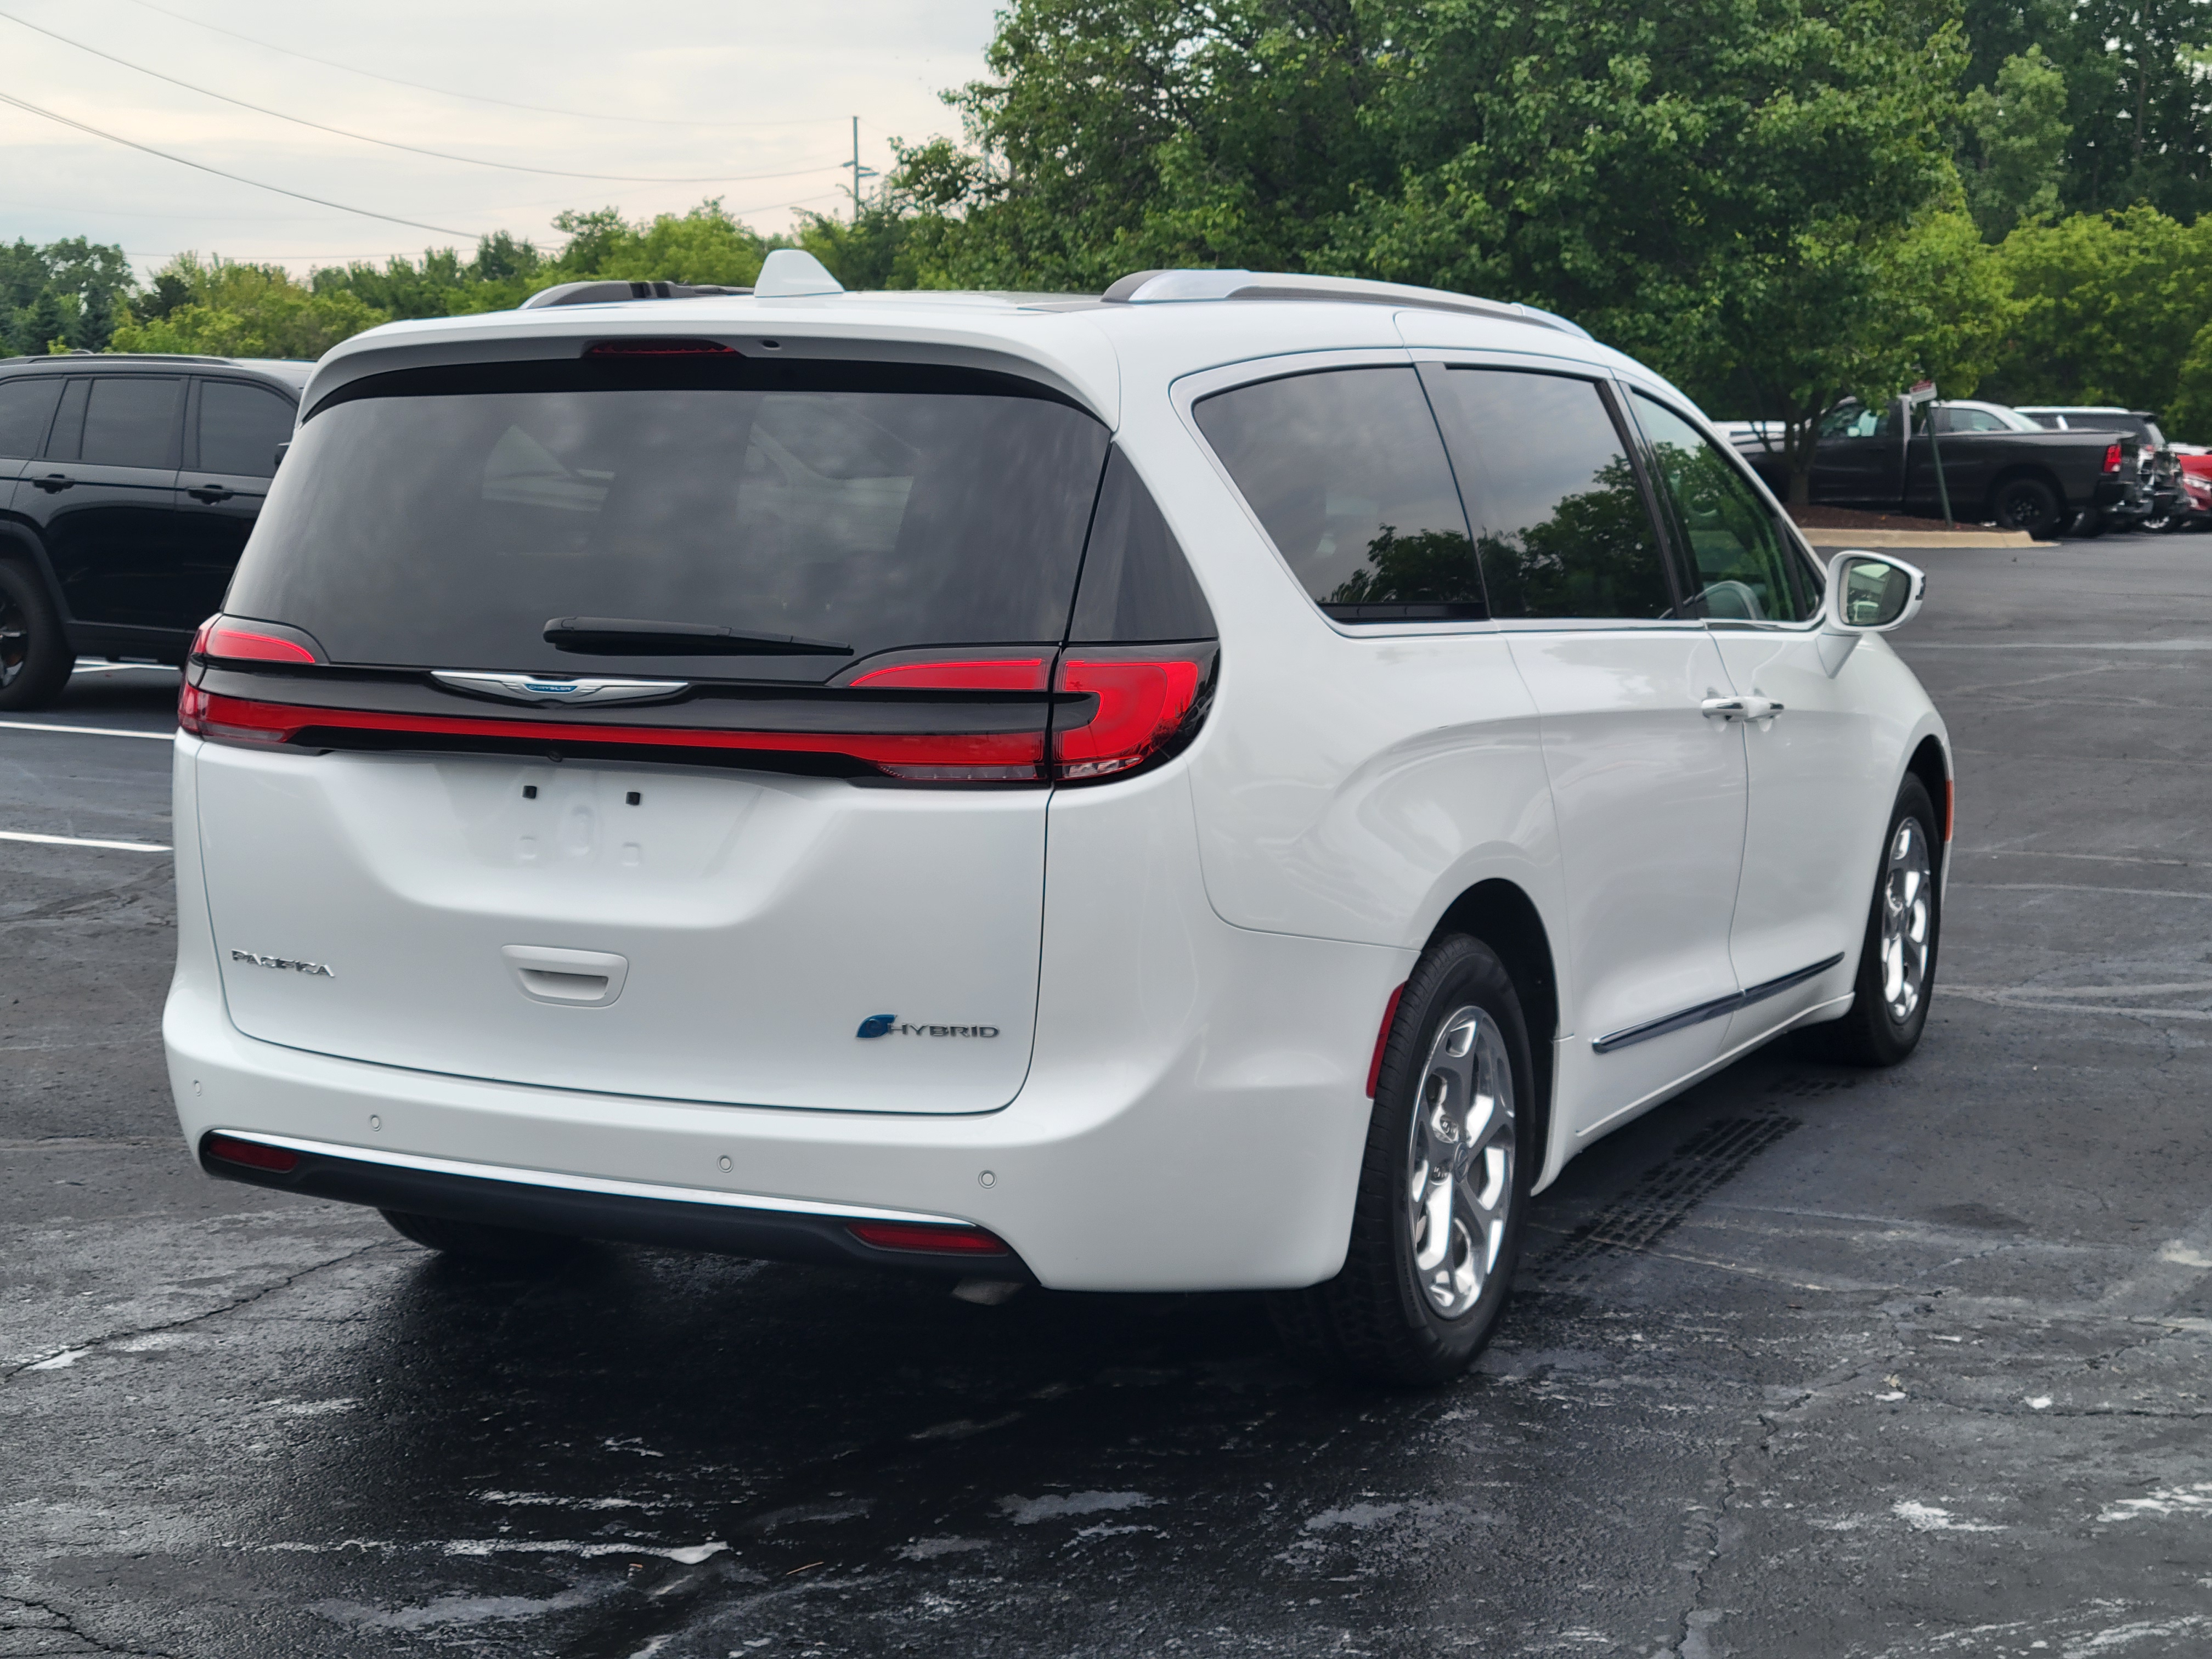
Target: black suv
128,487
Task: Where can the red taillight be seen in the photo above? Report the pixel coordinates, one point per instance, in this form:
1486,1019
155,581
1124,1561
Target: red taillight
1005,674
222,640
659,348
1381,1041
1142,704
252,1154
2112,458
924,1236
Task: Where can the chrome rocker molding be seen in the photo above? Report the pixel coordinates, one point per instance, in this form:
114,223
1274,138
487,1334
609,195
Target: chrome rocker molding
1713,1010
589,1207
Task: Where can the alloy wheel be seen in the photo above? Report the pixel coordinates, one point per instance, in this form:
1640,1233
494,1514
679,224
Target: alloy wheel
1908,921
1459,1185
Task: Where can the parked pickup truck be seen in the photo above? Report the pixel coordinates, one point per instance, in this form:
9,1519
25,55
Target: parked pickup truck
2001,467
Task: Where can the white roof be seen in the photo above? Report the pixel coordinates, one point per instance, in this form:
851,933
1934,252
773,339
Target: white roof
1080,344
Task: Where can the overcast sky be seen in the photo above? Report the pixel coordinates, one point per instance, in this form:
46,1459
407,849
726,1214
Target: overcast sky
749,101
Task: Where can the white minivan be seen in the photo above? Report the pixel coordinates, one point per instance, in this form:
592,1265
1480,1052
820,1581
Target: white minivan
1230,784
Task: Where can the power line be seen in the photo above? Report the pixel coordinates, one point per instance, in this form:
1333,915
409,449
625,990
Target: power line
414,150
472,97
235,178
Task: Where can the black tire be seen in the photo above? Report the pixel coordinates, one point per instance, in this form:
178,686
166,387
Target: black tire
474,1240
35,658
1873,1034
2088,524
1376,1320
2026,504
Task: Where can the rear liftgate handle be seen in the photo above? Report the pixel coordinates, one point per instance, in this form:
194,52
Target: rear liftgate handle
576,978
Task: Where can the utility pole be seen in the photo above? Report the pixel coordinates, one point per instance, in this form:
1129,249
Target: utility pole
859,171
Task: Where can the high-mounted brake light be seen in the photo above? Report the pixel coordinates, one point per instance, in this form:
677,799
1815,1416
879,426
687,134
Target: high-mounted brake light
924,1236
2112,458
659,348
277,1160
1142,704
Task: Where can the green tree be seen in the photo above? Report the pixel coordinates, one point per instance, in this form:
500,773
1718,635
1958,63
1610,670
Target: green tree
2020,134
2107,306
239,310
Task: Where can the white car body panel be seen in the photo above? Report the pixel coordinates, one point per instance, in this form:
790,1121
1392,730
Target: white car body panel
1187,968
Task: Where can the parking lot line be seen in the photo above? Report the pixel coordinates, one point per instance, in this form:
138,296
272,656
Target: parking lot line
78,841
88,731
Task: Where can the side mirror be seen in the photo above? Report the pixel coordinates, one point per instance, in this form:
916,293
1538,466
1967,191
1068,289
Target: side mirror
1870,593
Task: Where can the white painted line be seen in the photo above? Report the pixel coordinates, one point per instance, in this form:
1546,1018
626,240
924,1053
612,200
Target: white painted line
88,731
78,841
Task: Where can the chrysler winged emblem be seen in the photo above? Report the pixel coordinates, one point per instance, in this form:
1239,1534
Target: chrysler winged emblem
557,691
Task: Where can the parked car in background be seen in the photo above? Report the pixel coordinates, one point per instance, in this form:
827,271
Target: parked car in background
2156,464
1997,467
2195,461
128,487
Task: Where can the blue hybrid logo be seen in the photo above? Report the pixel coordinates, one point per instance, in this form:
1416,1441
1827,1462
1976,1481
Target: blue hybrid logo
877,1025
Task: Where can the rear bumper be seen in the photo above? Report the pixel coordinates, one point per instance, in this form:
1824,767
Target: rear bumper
1193,1117
630,1212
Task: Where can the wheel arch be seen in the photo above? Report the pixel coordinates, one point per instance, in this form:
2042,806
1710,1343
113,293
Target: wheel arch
1932,766
1502,916
18,541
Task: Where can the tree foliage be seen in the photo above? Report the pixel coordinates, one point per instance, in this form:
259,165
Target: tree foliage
66,295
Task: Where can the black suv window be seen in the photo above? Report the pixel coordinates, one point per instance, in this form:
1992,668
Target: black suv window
133,420
241,427
27,409
443,517
1560,519
1347,471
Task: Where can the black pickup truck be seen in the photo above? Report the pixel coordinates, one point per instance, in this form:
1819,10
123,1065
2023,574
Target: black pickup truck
1998,472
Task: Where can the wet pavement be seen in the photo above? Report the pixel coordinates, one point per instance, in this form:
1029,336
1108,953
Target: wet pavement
1809,1362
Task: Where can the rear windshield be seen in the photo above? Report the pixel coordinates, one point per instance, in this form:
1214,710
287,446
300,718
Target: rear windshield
444,518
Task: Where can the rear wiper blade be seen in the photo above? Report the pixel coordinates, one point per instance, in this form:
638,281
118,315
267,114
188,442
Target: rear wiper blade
625,636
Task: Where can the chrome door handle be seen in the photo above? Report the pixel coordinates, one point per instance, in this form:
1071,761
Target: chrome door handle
1740,709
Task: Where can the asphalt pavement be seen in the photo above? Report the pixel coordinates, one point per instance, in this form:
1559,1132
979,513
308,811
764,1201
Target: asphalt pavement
1809,1362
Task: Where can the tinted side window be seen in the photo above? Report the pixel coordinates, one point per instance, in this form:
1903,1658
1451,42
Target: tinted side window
1559,521
1347,471
1745,567
1136,583
241,427
133,420
27,409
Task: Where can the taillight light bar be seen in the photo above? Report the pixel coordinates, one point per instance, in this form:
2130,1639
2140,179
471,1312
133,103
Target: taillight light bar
978,757
1134,706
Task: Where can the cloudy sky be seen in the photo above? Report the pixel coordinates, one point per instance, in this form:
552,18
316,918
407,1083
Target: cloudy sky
684,98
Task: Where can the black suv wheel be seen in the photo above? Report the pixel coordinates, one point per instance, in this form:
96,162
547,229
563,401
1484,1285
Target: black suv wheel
34,653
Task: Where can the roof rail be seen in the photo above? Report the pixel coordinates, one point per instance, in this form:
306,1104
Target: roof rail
122,357
608,293
1158,287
